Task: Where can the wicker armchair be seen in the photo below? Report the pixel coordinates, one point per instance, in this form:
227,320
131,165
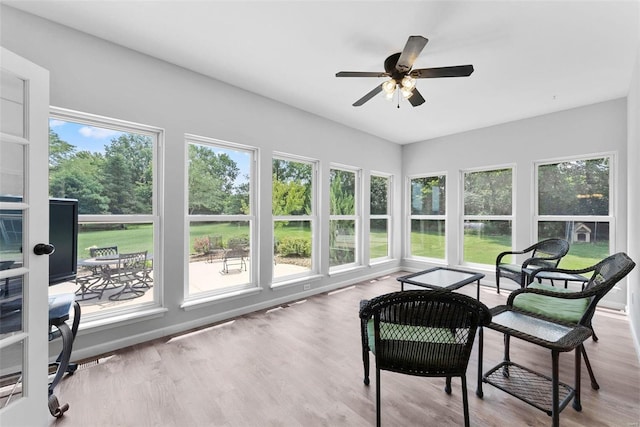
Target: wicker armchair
571,307
426,333
546,253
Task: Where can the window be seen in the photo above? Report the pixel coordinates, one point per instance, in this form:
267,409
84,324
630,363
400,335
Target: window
428,216
488,214
343,219
220,216
294,220
379,217
574,203
111,167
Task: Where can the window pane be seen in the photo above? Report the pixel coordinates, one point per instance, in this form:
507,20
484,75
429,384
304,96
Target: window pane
11,255
292,248
342,192
428,195
12,104
589,241
378,238
488,192
219,255
12,170
218,181
101,274
484,240
12,360
11,306
342,242
108,171
579,187
379,195
292,187
428,238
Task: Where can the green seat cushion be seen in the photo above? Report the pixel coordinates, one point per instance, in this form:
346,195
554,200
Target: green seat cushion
567,310
391,331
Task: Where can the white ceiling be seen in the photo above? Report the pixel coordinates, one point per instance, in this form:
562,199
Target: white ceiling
530,57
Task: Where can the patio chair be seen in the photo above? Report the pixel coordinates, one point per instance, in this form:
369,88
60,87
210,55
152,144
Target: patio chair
426,333
568,307
89,285
216,249
546,253
236,254
131,274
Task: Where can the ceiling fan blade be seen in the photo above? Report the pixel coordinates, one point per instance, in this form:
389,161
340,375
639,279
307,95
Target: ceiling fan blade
368,96
361,74
411,50
455,71
416,99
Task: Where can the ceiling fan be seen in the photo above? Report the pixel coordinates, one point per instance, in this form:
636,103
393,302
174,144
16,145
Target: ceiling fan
402,77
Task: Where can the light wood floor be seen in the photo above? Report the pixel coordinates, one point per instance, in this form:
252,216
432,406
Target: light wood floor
301,365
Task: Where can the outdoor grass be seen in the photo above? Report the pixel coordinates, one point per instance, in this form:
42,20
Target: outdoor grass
479,249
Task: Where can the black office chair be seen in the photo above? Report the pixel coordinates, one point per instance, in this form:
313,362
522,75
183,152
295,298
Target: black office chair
59,313
426,333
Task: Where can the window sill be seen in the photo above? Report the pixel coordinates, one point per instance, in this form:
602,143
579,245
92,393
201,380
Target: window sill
347,270
122,319
295,281
218,298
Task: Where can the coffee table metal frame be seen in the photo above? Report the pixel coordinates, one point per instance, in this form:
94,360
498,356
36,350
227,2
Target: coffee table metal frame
442,278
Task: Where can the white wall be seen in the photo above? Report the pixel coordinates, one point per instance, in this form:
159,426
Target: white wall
598,128
633,194
91,75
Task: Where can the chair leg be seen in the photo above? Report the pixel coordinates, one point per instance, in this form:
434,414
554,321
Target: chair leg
377,397
497,282
447,386
465,400
365,351
594,383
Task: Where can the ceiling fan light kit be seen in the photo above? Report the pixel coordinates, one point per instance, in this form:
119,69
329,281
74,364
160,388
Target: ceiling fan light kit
402,78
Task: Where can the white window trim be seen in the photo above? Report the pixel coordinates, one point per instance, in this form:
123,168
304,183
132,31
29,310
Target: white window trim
217,294
386,216
357,217
613,196
464,217
112,315
283,281
411,217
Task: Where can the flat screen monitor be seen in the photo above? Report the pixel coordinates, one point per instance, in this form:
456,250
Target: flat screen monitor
63,235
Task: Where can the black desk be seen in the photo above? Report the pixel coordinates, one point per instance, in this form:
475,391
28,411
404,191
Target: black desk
442,277
540,391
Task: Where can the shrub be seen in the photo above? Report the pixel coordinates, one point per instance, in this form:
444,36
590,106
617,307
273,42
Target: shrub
201,244
294,246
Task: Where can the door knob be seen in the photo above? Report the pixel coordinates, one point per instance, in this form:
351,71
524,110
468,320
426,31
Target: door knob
44,249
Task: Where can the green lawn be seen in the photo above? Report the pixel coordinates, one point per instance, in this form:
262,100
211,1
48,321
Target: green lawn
478,249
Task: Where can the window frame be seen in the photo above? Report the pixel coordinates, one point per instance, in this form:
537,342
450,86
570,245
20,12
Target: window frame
610,219
388,217
312,219
422,217
464,217
253,284
356,217
115,314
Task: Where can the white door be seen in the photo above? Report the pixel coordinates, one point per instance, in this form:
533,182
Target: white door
24,222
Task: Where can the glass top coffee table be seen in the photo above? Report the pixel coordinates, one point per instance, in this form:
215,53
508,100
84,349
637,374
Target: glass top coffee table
442,278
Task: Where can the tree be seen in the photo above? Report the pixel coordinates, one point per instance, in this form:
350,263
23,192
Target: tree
379,192
79,178
212,183
59,150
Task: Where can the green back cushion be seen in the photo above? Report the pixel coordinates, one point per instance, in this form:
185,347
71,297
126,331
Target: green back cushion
389,331
568,310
